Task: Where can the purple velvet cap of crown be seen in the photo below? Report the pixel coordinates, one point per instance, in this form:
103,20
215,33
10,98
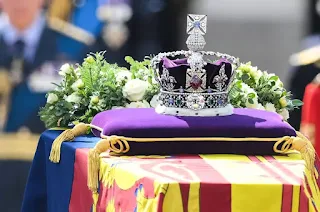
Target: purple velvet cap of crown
167,63
146,123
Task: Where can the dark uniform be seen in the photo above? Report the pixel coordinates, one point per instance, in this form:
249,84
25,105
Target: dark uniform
148,30
28,65
305,67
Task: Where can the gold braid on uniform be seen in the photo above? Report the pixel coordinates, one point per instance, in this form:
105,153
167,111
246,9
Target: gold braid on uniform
71,30
60,9
306,57
58,18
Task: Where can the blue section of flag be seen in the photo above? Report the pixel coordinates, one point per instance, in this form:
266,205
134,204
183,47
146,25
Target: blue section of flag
41,196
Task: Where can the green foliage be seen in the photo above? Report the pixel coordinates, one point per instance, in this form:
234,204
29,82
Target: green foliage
92,87
95,86
261,90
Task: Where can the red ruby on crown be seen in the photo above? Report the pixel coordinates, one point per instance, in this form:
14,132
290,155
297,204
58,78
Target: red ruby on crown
195,82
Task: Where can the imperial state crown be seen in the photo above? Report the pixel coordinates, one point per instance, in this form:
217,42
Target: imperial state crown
198,83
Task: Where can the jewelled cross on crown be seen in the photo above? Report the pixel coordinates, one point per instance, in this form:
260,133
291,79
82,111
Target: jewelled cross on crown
196,75
196,28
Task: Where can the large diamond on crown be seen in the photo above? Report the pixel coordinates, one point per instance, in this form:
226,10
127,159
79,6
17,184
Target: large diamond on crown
195,101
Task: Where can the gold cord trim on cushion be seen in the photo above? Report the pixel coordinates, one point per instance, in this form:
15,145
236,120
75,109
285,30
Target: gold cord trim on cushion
108,143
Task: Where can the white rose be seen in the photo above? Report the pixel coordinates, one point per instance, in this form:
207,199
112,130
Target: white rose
270,107
154,101
77,85
117,107
143,104
285,114
73,98
65,69
134,90
52,98
123,75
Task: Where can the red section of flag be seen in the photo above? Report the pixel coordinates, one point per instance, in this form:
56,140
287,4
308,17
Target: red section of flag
81,198
161,201
214,188
184,188
287,191
303,201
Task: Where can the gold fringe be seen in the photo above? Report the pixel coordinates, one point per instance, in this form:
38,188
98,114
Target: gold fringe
67,135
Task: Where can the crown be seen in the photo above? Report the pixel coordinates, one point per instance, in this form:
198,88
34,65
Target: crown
194,82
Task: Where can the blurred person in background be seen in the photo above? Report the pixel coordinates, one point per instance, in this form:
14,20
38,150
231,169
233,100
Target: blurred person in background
29,61
306,64
33,47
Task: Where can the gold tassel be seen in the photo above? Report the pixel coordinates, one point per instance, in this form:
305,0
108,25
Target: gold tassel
308,153
67,135
95,197
94,164
303,145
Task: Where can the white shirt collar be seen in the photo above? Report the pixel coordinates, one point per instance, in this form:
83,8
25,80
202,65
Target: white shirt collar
31,36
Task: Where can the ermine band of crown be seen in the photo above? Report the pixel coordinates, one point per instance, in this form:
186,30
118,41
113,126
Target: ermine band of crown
157,59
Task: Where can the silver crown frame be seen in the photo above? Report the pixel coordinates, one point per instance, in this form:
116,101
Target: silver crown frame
195,99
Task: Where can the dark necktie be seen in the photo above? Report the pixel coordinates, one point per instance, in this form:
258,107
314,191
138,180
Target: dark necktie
18,49
17,62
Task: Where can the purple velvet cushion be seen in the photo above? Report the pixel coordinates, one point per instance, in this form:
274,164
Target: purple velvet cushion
146,123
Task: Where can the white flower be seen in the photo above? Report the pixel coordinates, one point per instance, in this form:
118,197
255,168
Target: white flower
94,100
134,90
270,107
52,98
285,114
256,75
276,90
77,85
143,104
254,105
283,102
123,75
260,107
73,98
65,69
117,107
77,71
154,101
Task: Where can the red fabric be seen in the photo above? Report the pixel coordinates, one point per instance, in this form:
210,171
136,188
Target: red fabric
311,114
81,197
